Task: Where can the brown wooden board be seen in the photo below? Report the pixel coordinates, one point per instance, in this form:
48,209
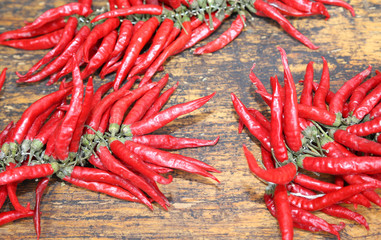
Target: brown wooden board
201,208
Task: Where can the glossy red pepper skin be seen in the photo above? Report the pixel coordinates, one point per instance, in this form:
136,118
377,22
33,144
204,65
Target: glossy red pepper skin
251,123
11,189
164,117
357,143
280,175
339,3
323,89
123,12
308,7
41,186
3,195
306,95
138,41
10,216
367,104
319,115
287,10
366,128
225,38
274,14
283,212
59,12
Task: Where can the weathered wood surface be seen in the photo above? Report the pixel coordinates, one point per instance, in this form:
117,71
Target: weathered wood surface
201,208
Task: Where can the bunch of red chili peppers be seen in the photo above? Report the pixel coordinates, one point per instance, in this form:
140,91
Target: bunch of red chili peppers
97,141
136,39
334,134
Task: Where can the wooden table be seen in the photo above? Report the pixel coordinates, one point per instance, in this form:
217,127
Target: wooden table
201,208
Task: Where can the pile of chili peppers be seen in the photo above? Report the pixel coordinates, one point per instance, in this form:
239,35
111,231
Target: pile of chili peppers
332,135
99,141
136,39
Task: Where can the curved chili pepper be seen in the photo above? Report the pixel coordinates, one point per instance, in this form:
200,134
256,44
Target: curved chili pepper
306,95
115,166
46,41
366,128
267,159
342,212
375,112
173,34
280,175
139,39
170,160
67,36
105,188
323,89
315,184
124,37
59,62
59,12
21,33
291,130
225,38
134,160
11,189
101,55
341,165
123,12
339,3
10,216
357,143
361,91
5,132
160,102
156,47
276,132
283,212
97,175
308,7
175,46
319,115
98,32
329,198
367,104
41,186
164,117
120,107
287,10
370,194
251,123
274,14
22,173
170,142
341,96
69,122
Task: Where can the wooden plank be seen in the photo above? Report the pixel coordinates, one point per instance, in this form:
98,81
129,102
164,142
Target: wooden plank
201,208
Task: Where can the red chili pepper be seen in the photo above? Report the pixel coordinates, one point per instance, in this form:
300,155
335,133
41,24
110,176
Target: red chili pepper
280,175
41,186
98,32
5,132
120,107
69,122
105,188
170,160
276,132
164,117
45,29
122,3
366,128
267,159
357,143
319,115
361,91
274,14
124,37
136,162
170,142
367,104
329,198
11,189
251,123
341,96
339,3
315,184
51,143
46,41
97,175
67,36
306,95
115,166
123,12
101,55
173,34
287,10
10,216
370,194
341,165
172,49
61,60
139,39
156,47
308,7
59,12
22,173
323,89
225,38
3,195
283,212
291,124
2,77
86,109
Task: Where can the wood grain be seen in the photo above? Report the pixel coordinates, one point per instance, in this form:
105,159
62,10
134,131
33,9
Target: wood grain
201,209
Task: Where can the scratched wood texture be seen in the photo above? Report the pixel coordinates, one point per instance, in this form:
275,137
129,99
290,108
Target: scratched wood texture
201,208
